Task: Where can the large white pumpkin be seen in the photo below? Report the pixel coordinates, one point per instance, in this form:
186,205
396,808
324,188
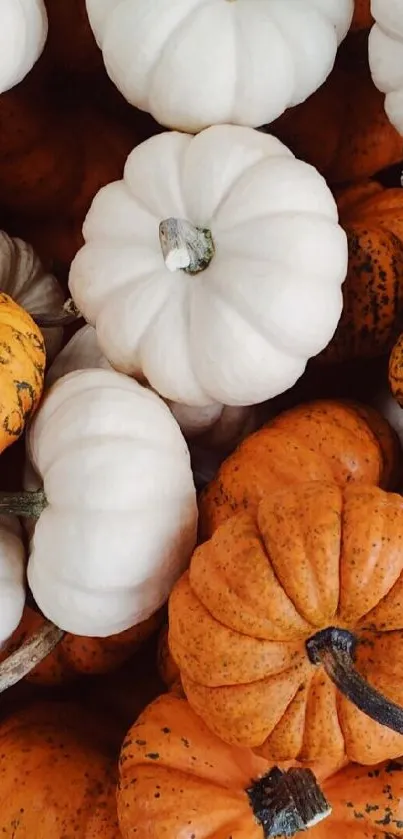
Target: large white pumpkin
386,56
23,32
214,268
12,576
193,63
120,521
24,278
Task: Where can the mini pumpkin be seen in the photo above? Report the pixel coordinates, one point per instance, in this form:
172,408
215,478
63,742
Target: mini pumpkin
178,780
22,359
24,27
322,440
261,58
386,56
220,266
372,217
288,626
343,129
57,771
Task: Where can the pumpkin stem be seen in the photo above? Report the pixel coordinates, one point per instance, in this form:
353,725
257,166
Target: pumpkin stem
30,504
67,314
20,662
334,649
284,803
184,246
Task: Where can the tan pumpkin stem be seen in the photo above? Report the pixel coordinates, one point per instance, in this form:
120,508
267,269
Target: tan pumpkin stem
67,314
284,803
184,246
334,649
30,504
20,662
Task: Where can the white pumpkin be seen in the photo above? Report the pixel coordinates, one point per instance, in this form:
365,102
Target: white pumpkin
214,268
119,508
385,48
227,425
23,32
12,576
24,278
192,64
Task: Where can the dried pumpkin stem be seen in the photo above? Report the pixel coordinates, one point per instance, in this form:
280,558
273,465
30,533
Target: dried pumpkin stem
67,314
20,662
184,246
284,803
30,504
334,649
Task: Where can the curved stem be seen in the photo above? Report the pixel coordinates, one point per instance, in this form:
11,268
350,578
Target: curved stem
284,803
185,246
30,504
334,649
19,663
67,314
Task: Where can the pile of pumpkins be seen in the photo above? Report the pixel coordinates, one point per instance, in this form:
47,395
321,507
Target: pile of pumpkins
201,427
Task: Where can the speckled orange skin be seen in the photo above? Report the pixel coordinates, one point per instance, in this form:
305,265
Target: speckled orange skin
313,556
372,292
322,440
179,781
342,129
22,365
396,370
57,775
77,655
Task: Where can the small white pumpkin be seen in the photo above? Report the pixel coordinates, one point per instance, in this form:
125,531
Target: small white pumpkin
23,33
226,425
12,576
214,268
117,513
192,64
24,278
385,47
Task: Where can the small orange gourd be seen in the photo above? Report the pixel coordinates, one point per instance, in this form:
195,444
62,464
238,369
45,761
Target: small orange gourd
288,626
322,440
178,780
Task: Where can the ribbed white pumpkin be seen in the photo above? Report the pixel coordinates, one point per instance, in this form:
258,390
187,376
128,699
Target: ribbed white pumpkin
386,56
23,32
24,278
121,514
214,268
12,576
193,63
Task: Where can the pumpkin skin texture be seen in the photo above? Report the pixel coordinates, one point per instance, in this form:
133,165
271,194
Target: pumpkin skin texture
12,576
64,763
262,59
24,28
343,129
173,321
314,556
117,478
23,360
178,779
385,49
372,217
323,440
76,655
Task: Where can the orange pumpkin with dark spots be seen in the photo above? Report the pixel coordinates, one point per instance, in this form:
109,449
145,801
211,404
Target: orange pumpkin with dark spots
324,440
288,627
179,781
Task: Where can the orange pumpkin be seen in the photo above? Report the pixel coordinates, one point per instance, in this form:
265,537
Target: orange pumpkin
323,440
372,292
288,626
75,655
57,774
343,129
178,780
